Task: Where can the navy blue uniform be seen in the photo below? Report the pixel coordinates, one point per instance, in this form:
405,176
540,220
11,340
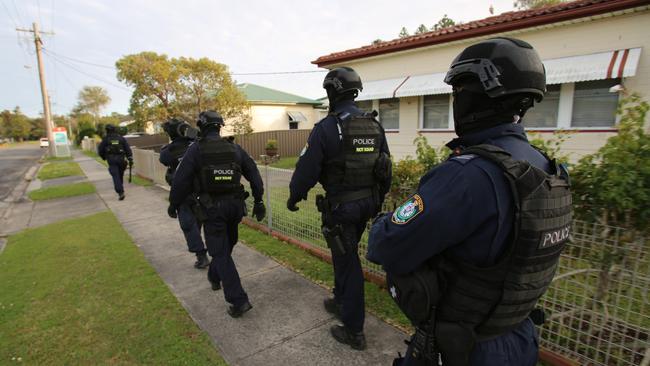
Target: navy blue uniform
220,227
323,144
189,224
467,211
116,163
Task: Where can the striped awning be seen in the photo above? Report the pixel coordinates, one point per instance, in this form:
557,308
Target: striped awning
596,66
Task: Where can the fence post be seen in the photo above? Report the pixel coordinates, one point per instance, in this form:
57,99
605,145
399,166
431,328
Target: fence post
268,198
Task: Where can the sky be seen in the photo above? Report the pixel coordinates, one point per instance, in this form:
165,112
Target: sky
248,36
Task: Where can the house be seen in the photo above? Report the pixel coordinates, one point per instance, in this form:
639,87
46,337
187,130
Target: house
590,48
272,109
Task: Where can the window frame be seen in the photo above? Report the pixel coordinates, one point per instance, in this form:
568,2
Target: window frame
450,120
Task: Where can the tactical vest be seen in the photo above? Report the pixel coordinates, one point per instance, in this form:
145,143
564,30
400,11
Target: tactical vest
219,173
469,303
354,167
497,299
176,151
114,147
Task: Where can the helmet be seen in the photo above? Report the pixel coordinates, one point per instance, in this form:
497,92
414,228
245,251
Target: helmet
342,80
493,81
174,127
209,119
503,66
110,128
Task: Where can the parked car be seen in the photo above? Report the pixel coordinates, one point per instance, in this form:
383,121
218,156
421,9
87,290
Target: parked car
44,142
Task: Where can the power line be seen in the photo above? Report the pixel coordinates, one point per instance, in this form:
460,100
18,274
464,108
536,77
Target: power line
9,14
74,68
80,61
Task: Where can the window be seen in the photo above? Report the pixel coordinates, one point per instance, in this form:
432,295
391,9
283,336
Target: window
435,111
294,118
594,105
389,113
545,113
364,105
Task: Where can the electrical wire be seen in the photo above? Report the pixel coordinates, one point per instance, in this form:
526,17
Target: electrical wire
74,68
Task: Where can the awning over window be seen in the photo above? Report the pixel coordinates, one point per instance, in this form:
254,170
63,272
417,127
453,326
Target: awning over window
296,117
429,84
381,89
596,66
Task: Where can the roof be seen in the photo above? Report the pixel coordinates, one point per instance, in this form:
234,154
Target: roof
504,22
258,93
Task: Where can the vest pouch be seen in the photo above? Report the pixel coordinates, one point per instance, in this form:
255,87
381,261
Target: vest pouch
455,342
415,293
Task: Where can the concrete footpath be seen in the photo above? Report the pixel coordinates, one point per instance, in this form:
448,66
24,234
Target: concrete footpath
287,325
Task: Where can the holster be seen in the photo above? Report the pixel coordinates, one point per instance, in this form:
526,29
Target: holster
199,212
455,342
333,233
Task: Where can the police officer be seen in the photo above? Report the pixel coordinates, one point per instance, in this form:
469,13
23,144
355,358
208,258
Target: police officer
483,233
216,166
116,151
170,156
347,153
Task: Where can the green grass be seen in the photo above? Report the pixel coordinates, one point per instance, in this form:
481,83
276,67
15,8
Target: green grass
378,301
59,169
66,190
286,163
72,299
58,158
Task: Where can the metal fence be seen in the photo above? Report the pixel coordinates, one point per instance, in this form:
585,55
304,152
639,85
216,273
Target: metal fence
599,303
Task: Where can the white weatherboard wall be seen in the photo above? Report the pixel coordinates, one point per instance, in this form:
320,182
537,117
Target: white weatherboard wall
601,34
273,117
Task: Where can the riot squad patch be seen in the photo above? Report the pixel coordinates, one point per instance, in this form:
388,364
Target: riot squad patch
364,145
554,237
408,210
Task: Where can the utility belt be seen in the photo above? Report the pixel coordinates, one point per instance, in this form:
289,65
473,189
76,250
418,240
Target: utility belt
206,201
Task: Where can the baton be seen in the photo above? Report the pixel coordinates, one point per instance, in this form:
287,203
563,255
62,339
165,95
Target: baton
130,175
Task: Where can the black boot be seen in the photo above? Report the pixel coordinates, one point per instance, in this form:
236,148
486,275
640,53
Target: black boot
332,307
216,285
202,261
344,335
121,196
237,311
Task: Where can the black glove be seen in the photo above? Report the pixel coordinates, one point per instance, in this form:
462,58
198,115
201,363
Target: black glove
130,159
171,211
291,204
259,210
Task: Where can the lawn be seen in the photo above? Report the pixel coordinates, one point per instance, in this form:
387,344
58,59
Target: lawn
135,179
59,169
286,163
378,301
65,190
91,299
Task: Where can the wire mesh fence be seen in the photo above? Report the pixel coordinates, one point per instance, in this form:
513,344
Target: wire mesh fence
598,303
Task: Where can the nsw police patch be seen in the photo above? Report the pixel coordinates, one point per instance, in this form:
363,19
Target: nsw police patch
408,210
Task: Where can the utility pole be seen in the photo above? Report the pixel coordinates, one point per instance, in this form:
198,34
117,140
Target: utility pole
41,73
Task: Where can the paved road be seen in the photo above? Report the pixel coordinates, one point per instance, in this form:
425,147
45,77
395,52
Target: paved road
14,163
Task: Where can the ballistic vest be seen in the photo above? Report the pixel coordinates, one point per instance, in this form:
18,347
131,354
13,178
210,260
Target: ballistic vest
176,151
354,167
114,147
219,173
494,300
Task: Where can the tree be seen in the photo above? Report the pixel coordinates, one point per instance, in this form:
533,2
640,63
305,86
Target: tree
404,33
421,29
377,41
444,22
182,87
15,124
92,99
534,4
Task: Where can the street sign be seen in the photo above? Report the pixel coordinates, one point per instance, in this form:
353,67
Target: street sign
61,144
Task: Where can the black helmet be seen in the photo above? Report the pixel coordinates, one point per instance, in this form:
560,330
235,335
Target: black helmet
342,80
503,66
209,119
174,127
110,128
